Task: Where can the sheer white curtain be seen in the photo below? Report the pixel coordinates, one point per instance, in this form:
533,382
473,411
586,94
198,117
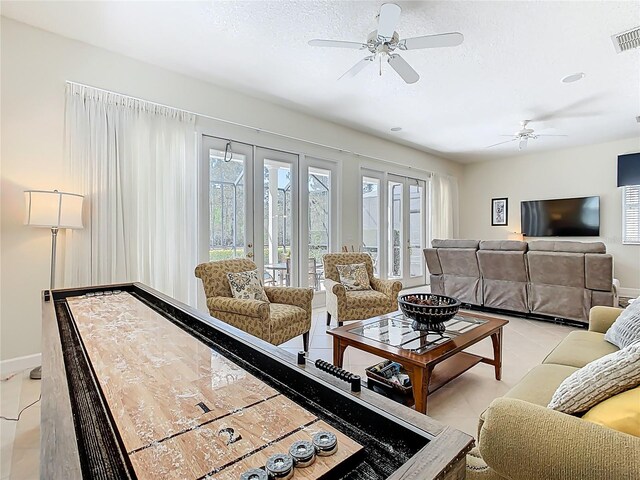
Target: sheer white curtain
444,220
135,163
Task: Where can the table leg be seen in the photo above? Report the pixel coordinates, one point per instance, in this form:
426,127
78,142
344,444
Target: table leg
338,352
496,340
420,382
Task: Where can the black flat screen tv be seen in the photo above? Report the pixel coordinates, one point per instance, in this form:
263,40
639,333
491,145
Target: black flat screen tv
564,217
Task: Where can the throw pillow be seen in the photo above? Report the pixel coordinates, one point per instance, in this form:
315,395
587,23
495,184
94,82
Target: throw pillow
598,380
626,329
247,286
354,276
620,412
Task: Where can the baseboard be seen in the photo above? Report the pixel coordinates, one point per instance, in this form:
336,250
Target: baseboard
20,363
629,292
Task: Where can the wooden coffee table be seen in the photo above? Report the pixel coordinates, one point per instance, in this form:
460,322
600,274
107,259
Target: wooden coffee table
431,360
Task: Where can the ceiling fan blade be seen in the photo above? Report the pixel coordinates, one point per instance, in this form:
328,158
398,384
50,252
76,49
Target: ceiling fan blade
432,41
523,143
500,143
337,44
550,135
403,69
357,68
388,19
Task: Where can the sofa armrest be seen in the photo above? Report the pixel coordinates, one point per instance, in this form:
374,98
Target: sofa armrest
523,441
336,288
390,288
237,306
300,297
601,318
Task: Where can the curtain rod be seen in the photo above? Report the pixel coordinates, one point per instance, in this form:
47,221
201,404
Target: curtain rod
260,130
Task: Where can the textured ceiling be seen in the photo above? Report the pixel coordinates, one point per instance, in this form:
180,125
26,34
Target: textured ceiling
508,68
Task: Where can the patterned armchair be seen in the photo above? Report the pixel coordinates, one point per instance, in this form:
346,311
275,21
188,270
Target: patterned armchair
360,304
287,316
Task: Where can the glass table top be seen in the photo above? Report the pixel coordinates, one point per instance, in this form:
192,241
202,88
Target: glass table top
395,330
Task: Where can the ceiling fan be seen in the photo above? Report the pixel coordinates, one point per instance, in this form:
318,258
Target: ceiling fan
523,136
383,42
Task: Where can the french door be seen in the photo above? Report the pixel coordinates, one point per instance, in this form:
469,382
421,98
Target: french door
395,221
252,207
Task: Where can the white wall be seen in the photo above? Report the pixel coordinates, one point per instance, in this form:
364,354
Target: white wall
35,66
574,172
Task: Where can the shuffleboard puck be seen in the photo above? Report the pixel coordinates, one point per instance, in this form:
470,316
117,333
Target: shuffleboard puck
303,453
326,443
254,474
279,466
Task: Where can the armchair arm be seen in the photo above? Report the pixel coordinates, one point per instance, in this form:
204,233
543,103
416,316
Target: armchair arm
336,288
300,297
237,306
390,288
523,441
601,318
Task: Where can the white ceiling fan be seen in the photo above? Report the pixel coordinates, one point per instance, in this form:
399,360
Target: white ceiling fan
523,136
383,42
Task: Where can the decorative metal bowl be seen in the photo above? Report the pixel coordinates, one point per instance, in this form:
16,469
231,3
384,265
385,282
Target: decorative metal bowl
428,317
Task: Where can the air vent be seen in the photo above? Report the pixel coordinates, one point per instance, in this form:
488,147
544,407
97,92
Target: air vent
626,40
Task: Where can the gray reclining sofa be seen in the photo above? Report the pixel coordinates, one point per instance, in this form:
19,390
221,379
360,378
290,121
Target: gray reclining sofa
557,279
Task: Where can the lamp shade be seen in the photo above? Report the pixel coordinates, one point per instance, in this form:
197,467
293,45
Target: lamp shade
53,209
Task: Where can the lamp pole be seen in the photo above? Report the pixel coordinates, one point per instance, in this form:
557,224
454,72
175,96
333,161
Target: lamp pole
54,242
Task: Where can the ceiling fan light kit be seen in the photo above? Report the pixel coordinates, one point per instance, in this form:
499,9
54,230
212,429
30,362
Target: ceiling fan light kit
523,136
383,43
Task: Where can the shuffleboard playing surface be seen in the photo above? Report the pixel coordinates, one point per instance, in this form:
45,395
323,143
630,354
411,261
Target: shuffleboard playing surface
182,409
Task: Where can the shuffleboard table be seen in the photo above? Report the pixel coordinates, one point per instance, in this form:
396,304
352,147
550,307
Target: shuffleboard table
136,385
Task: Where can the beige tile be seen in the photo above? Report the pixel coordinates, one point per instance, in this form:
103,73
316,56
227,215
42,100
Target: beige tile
25,464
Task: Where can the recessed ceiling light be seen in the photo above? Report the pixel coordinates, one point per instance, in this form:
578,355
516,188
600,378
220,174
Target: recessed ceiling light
396,129
574,77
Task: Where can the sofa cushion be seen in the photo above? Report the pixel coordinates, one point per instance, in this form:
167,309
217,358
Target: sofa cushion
626,329
513,245
539,385
433,261
620,412
365,298
247,286
354,276
565,246
580,348
599,380
455,243
598,271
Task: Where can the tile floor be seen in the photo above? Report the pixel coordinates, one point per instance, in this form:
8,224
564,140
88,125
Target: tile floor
525,344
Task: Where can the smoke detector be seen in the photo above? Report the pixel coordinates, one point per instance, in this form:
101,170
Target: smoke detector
626,40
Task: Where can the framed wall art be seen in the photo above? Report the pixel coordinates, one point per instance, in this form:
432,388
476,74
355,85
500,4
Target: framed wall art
499,212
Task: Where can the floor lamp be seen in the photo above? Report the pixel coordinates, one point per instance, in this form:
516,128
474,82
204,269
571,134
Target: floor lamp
54,210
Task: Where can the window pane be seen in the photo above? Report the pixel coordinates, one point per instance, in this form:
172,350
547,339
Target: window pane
371,219
226,206
319,223
631,214
395,229
277,222
416,227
